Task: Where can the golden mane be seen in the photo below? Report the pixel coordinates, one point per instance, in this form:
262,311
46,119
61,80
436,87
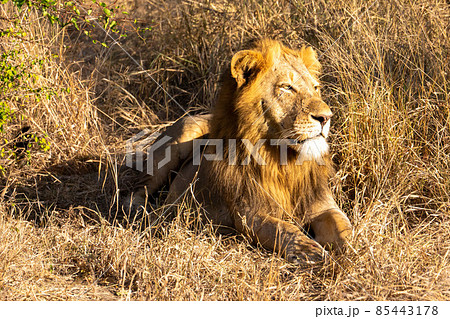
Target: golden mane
285,188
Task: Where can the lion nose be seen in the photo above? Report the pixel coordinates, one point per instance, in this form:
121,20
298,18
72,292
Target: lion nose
322,118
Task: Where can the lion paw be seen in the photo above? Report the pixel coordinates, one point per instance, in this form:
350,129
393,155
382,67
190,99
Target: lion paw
302,251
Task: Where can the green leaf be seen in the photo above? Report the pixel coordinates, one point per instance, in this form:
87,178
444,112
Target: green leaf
74,22
107,12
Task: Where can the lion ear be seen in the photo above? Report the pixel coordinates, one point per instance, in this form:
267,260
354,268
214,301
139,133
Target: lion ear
245,64
309,57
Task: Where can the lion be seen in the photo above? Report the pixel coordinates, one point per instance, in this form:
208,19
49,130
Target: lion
260,163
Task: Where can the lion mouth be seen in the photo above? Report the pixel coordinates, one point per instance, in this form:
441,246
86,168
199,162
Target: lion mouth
296,141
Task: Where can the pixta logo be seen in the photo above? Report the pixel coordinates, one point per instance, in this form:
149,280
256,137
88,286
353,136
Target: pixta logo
148,152
141,149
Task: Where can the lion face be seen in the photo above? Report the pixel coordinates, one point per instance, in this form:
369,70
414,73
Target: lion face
283,84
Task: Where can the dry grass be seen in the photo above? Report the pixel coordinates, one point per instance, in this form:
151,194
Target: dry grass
386,75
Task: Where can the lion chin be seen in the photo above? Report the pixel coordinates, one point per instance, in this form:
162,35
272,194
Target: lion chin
268,91
312,149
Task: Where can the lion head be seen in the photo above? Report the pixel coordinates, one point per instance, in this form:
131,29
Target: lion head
283,89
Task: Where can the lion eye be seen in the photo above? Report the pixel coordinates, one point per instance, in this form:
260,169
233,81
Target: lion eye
287,88
317,87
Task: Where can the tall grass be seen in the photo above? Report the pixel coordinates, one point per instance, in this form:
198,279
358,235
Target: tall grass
386,76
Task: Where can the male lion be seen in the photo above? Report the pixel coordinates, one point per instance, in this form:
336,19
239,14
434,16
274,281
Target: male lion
272,174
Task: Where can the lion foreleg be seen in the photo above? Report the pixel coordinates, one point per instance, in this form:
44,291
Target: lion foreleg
277,235
331,228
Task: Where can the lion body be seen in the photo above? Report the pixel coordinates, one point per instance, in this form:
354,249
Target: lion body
259,186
